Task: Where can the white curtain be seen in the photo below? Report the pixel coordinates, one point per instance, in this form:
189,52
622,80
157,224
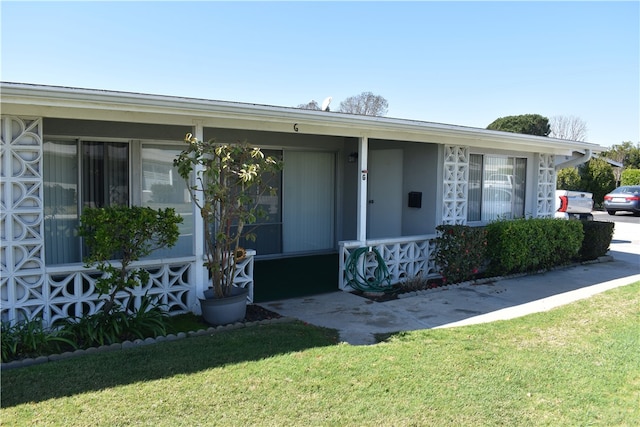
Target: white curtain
60,173
497,191
105,181
474,196
308,201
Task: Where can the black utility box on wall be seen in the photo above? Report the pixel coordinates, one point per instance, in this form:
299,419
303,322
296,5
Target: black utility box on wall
415,199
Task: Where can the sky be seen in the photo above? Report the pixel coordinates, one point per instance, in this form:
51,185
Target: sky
460,63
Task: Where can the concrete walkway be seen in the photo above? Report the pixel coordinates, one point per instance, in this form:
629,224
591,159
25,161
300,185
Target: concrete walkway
358,319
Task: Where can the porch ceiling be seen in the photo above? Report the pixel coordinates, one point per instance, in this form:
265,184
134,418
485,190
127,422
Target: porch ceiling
88,104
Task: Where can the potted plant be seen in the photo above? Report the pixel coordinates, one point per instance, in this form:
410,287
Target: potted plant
229,181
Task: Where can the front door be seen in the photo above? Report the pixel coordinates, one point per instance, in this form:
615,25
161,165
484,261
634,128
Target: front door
384,207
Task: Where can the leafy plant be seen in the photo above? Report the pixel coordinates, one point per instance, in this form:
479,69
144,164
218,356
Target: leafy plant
101,328
31,339
126,233
229,182
460,252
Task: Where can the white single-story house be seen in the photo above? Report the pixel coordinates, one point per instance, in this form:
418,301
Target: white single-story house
348,181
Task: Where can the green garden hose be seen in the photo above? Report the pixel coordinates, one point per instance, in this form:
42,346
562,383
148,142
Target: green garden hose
355,272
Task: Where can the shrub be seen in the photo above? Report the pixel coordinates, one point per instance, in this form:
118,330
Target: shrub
524,245
597,238
127,233
31,339
460,252
630,177
597,178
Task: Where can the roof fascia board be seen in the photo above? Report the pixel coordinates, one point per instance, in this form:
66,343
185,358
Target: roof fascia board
94,104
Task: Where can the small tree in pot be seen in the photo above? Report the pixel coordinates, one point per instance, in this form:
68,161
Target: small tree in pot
229,182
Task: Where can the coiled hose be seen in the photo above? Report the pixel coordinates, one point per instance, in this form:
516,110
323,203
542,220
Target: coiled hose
355,268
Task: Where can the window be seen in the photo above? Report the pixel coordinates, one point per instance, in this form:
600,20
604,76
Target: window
163,187
496,187
301,216
268,229
97,174
60,168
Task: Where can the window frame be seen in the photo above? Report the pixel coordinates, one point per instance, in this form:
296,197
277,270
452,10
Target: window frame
528,180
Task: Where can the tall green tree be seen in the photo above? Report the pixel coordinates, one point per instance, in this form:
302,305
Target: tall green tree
597,177
531,124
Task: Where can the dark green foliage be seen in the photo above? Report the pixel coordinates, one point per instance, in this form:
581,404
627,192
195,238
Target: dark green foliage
532,124
569,179
103,328
630,177
597,177
525,245
126,233
32,339
460,252
597,238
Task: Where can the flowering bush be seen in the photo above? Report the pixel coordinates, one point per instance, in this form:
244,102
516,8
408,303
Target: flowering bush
460,252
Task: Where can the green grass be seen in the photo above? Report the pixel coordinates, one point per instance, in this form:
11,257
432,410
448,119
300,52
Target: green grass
577,365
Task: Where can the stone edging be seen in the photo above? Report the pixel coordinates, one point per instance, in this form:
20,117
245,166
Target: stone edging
15,364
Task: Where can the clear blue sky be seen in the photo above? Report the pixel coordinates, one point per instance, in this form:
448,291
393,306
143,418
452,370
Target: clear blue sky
463,63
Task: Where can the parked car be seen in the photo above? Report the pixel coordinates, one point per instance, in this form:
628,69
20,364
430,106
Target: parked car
625,198
574,205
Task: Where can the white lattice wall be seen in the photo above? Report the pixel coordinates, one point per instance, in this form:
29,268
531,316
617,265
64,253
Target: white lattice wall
455,184
405,257
546,185
71,291
21,212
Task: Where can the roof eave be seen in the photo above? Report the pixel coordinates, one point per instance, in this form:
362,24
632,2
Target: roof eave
186,110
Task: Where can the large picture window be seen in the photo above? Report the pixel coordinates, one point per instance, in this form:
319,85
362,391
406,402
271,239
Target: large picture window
496,187
79,174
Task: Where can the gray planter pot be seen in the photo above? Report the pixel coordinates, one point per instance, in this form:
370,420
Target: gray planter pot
222,311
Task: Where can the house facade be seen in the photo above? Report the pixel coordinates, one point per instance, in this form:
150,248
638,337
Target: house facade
348,182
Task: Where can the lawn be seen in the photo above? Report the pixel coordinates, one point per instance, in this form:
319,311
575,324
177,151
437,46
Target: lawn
575,365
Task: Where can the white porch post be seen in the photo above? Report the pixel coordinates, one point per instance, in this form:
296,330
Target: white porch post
200,275
363,177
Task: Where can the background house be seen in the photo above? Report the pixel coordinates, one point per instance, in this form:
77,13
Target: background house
348,181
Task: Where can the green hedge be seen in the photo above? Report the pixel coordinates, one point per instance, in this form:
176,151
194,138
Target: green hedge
519,246
460,252
597,238
525,245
